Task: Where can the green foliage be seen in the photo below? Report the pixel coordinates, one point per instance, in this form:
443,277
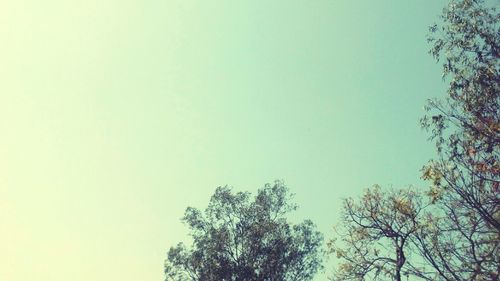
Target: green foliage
455,235
237,238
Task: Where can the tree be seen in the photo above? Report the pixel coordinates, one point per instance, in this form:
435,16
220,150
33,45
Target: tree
375,236
237,238
465,242
457,236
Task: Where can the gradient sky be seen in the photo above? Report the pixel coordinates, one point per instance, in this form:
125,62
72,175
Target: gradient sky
117,115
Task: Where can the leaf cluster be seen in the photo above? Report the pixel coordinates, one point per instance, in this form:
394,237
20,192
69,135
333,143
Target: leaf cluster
237,238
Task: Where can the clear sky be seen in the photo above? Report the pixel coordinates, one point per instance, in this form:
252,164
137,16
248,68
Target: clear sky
117,115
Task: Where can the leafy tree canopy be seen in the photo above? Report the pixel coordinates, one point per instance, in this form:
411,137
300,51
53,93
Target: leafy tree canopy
464,244
375,238
238,237
452,234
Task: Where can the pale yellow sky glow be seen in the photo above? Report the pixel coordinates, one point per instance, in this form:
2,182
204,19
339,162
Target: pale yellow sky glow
117,115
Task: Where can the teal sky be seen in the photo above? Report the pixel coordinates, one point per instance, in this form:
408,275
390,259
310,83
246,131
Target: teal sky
117,115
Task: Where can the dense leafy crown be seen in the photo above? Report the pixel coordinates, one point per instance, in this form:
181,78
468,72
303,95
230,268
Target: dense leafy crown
237,238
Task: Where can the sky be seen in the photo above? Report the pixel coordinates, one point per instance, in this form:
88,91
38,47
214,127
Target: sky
117,115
